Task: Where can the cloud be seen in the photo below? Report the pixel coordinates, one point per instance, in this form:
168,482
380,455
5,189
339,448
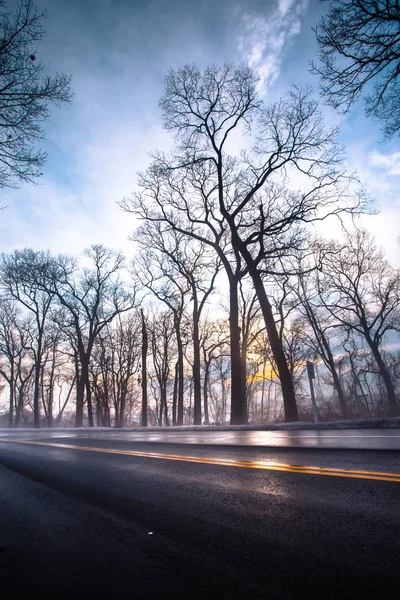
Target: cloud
380,174
390,162
67,219
265,39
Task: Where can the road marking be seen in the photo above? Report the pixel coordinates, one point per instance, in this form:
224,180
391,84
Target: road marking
226,462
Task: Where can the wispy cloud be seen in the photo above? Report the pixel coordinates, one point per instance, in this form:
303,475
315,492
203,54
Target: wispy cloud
380,174
265,39
389,162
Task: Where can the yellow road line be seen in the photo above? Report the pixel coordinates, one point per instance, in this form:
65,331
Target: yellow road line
226,462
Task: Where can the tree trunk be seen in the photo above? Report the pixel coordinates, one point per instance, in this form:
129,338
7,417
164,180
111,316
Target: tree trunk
164,404
36,413
238,387
289,398
144,370
11,409
51,399
99,414
122,411
89,397
19,407
387,380
196,361
338,387
205,393
180,369
80,394
175,394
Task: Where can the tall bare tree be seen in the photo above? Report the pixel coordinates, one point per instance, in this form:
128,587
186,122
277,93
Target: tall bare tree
192,261
92,298
363,294
209,192
15,346
161,331
153,269
15,280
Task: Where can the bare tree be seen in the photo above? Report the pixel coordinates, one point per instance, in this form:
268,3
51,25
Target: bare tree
214,341
153,269
121,341
192,261
320,332
244,201
364,296
16,364
53,361
184,203
26,93
15,280
359,50
92,298
161,333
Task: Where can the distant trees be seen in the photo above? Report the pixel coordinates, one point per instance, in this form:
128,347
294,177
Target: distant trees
15,281
344,316
113,365
26,93
85,301
362,293
359,50
15,346
91,301
180,260
319,331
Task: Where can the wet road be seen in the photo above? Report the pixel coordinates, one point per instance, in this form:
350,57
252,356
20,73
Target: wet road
361,439
96,516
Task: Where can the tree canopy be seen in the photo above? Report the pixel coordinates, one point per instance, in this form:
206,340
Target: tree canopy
359,51
25,93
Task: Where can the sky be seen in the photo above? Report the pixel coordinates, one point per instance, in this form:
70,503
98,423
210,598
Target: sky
118,53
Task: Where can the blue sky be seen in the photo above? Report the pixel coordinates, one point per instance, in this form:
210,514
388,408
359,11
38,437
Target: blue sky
118,53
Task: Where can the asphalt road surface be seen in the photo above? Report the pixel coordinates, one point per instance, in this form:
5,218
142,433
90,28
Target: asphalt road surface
97,516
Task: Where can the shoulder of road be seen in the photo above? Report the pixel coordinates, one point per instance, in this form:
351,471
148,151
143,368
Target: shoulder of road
382,423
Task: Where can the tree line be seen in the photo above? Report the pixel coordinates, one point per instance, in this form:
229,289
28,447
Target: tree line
107,343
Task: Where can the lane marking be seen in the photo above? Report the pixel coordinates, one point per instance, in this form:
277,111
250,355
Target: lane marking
226,462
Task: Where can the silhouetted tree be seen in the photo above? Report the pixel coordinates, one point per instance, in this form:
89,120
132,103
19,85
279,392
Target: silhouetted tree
92,298
192,261
363,295
320,332
243,201
114,362
183,202
359,50
161,330
16,334
26,93
214,342
153,269
15,279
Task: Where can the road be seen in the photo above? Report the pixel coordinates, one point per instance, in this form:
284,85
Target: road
360,439
97,516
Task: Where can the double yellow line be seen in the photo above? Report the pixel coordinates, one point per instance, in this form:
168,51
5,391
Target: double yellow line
224,462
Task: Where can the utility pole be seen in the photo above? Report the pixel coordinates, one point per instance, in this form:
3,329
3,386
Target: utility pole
311,376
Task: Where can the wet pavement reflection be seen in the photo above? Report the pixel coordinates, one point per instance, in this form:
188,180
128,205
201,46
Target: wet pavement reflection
369,439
